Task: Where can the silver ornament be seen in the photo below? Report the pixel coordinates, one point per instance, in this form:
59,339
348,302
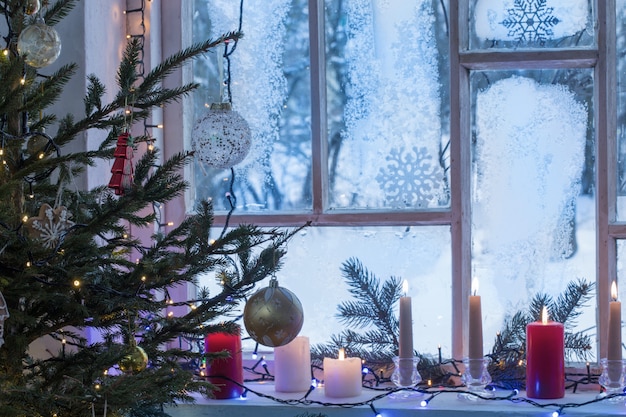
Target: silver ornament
221,138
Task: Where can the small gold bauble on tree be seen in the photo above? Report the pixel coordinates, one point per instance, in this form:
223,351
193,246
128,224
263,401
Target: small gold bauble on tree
39,44
31,7
273,315
221,138
135,361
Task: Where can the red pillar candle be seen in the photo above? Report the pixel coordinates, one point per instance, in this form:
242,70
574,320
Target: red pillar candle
225,373
545,359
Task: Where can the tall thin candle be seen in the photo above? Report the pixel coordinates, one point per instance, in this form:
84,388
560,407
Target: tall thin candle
405,350
475,333
475,324
615,326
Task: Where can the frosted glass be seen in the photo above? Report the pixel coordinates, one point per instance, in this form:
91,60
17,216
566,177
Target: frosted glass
421,255
270,86
387,140
533,223
531,23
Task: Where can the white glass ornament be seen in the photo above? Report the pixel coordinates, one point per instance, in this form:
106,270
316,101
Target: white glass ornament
221,138
40,44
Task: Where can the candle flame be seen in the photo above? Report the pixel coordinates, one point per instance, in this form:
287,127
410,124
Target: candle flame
614,291
405,287
544,315
474,286
342,354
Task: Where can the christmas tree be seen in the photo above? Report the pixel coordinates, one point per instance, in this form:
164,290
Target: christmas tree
70,268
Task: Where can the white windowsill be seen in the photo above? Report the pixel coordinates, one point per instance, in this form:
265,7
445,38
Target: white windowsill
444,405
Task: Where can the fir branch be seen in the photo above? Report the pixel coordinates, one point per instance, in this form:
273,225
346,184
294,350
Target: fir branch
57,11
95,92
172,63
567,306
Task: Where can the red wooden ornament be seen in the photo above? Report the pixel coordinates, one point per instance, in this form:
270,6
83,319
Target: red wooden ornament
122,168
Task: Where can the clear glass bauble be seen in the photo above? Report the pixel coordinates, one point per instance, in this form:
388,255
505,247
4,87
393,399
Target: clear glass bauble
39,44
221,138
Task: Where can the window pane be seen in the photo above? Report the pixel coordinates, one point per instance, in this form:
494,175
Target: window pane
313,271
621,109
533,213
387,104
270,84
531,24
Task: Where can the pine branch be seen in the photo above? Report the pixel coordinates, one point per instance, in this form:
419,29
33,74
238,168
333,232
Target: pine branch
56,12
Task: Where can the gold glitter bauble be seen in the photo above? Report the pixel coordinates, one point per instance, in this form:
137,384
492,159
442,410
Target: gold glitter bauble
135,361
273,315
31,7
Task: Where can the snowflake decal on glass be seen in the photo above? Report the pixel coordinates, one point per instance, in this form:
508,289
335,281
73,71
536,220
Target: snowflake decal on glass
410,179
530,21
50,226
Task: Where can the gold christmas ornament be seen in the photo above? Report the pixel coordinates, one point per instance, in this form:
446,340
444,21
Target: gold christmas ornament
31,7
273,315
135,361
221,138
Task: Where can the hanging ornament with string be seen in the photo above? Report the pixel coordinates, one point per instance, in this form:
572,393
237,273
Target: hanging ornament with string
39,44
122,169
221,138
273,315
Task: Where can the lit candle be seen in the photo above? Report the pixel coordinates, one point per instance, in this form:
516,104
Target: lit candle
614,353
615,326
545,358
342,376
475,324
292,366
225,373
406,324
475,333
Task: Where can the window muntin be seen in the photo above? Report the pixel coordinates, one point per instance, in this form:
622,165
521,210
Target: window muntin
533,200
538,24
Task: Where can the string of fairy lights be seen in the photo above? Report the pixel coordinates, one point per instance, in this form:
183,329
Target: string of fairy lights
381,388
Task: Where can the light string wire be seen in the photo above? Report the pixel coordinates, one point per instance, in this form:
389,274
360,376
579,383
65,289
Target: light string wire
230,195
430,394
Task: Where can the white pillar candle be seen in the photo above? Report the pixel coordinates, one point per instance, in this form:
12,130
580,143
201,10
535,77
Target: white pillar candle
405,350
292,366
342,376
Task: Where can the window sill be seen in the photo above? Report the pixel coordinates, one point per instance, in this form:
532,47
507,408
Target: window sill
444,405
